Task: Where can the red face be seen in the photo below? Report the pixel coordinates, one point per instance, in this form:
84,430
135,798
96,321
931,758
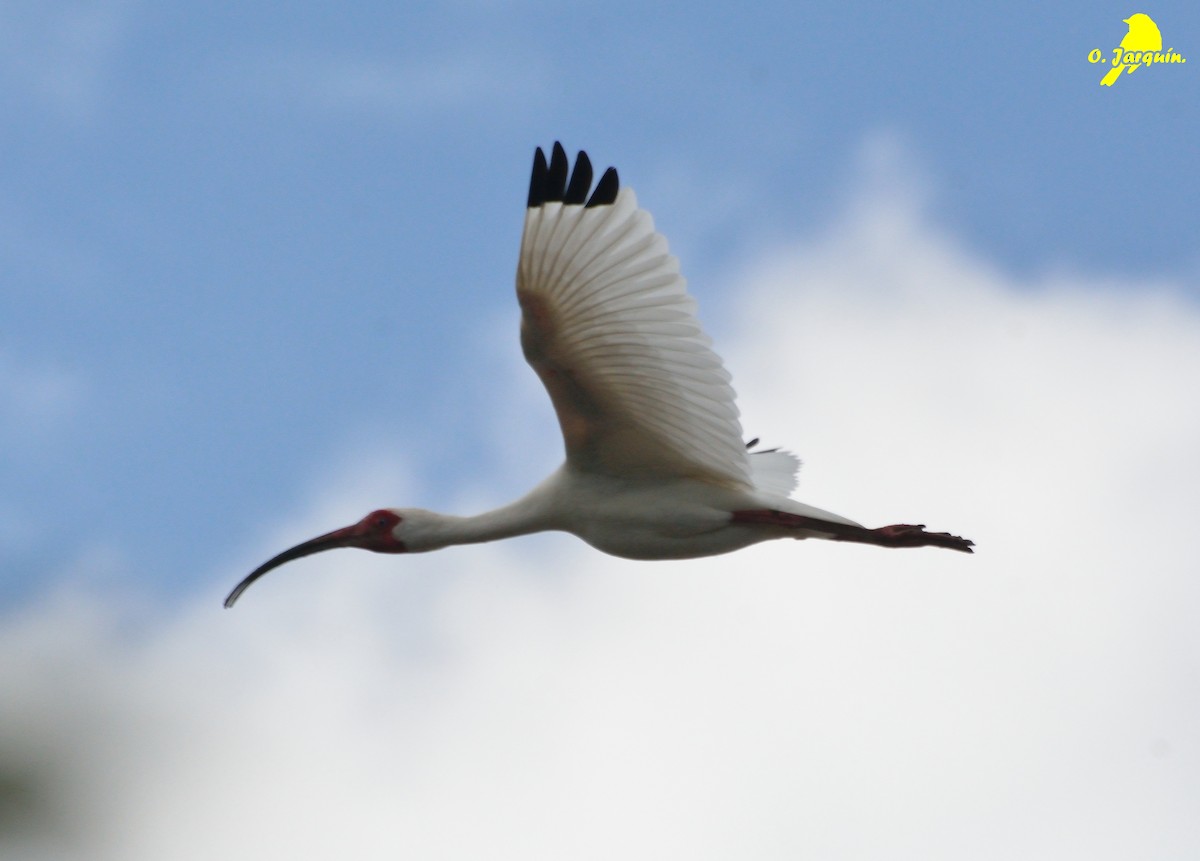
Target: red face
373,532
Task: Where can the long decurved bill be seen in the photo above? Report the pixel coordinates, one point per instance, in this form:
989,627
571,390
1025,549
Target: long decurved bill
349,536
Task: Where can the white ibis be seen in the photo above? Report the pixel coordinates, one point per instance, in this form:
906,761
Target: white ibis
655,466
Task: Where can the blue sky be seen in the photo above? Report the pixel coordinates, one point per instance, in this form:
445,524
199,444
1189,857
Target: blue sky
233,234
258,270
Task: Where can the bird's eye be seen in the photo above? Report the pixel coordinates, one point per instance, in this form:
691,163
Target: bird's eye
381,522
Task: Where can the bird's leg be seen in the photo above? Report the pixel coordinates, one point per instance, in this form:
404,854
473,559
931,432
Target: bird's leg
904,535
897,535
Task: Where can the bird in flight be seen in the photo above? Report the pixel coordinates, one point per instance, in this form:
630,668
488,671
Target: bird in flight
655,465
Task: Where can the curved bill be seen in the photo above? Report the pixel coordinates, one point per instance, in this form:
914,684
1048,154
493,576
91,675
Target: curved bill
349,536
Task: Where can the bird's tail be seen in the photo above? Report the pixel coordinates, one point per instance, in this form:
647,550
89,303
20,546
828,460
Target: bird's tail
1109,79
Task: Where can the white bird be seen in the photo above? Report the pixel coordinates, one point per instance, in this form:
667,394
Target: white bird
655,465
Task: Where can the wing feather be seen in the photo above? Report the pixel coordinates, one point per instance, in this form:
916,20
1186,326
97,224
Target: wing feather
610,329
774,471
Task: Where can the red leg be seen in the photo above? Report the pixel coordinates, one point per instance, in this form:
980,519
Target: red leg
898,535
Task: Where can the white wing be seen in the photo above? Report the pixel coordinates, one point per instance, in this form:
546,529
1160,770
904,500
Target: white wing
610,329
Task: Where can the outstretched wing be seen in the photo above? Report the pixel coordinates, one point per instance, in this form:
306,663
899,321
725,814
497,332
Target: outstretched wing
610,329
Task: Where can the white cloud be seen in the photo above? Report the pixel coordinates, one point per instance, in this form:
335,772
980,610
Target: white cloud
537,700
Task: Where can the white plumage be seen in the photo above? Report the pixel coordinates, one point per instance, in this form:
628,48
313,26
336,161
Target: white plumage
609,328
655,464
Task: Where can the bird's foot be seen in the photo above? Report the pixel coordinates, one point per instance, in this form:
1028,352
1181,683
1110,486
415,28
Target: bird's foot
906,535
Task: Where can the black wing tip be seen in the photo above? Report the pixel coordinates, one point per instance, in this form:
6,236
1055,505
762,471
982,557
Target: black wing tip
606,189
537,181
581,181
549,180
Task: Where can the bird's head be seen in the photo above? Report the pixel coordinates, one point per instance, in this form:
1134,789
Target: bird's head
382,531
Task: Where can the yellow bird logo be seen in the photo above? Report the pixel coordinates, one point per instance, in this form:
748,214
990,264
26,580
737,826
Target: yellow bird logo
1143,36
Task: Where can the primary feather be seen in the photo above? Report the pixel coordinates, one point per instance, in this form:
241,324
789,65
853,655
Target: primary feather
610,329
